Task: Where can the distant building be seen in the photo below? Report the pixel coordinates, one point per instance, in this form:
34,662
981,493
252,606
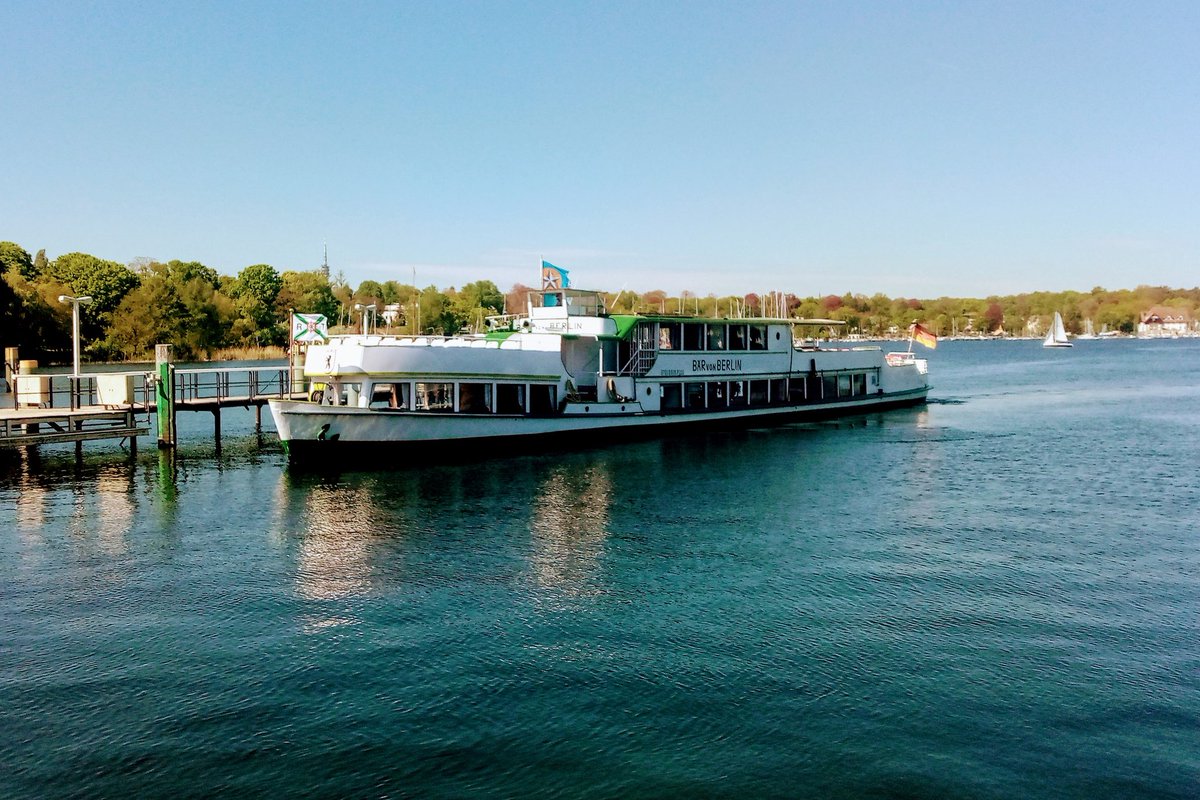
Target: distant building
392,313
1164,321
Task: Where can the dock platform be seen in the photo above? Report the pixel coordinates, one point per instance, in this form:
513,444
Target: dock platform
52,408
23,427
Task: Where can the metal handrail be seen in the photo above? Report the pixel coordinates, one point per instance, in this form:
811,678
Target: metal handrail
63,390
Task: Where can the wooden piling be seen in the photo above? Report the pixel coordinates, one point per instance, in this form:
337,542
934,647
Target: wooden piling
165,395
11,360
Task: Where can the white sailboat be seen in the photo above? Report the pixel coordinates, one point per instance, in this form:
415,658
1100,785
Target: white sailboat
1089,332
1057,337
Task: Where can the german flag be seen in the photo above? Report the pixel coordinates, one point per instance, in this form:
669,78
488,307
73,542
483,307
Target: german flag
922,335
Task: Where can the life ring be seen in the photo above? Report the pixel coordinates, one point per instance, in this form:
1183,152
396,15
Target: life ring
317,396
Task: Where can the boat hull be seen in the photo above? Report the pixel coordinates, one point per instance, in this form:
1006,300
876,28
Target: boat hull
319,436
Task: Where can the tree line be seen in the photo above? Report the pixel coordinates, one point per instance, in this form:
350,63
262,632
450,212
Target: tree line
202,313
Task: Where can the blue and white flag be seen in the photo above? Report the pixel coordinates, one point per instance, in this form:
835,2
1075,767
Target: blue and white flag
554,277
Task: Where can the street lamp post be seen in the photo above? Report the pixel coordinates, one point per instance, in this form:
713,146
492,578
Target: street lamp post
365,309
75,302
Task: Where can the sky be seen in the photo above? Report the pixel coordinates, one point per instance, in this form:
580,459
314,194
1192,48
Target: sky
918,149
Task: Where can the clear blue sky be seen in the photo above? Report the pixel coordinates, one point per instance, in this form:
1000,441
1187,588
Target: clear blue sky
912,148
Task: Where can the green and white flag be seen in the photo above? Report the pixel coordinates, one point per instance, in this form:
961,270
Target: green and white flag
310,328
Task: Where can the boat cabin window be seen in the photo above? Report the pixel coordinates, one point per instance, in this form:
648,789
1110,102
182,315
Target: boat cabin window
693,336
737,393
346,394
843,385
796,392
672,396
716,337
510,398
542,399
737,337
695,395
828,387
670,336
475,398
717,394
437,397
859,382
758,393
390,395
779,391
758,337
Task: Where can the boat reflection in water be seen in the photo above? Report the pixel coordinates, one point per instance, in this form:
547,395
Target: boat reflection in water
332,531
569,528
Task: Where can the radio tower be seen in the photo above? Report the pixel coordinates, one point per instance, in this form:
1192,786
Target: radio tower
325,262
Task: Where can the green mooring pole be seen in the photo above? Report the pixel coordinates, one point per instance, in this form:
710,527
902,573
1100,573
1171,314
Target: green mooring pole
164,400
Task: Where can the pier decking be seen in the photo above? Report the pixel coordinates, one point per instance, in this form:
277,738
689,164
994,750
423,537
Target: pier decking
22,427
52,408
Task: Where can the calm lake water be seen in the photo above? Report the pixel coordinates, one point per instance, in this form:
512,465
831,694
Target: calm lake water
994,596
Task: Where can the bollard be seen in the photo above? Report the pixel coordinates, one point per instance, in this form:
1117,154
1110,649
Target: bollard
296,379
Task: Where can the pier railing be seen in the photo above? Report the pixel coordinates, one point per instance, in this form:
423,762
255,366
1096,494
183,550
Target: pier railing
49,407
201,388
231,387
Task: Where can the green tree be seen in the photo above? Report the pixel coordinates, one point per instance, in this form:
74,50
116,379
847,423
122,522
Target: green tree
369,292
148,315
176,303
256,293
16,258
180,272
437,313
484,295
28,322
106,282
306,293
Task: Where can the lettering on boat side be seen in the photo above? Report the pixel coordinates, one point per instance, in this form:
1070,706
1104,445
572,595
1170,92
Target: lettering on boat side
671,373
716,365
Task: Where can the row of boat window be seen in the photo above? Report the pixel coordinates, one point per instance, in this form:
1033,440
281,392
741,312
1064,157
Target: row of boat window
533,398
439,397
812,388
711,336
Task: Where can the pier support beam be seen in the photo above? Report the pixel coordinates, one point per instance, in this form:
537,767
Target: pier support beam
164,400
217,428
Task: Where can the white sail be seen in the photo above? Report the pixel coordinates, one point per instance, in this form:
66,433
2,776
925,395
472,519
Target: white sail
1057,337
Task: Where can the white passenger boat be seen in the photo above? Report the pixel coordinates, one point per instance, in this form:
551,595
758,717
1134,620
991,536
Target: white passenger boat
567,370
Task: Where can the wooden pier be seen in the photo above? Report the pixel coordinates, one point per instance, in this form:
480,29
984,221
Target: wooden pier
25,427
53,408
